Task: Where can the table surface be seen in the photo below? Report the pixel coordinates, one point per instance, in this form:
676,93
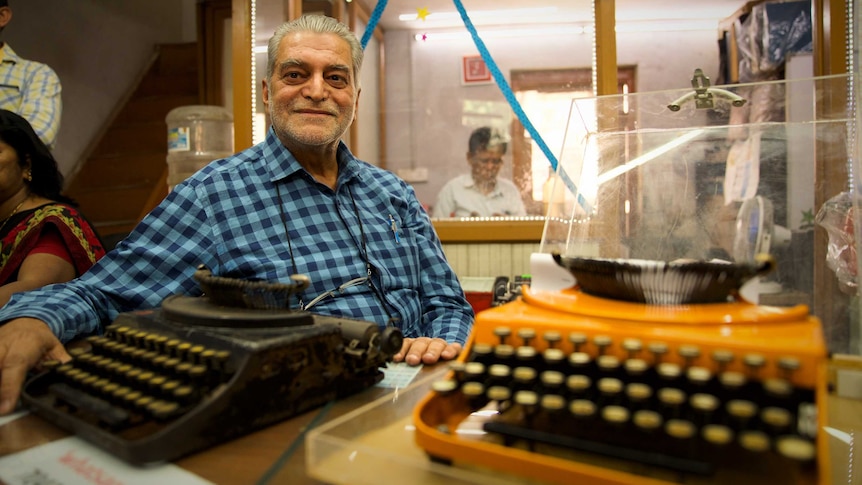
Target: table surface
267,453
273,455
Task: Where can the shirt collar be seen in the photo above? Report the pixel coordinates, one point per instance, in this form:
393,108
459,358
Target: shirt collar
281,164
8,55
470,184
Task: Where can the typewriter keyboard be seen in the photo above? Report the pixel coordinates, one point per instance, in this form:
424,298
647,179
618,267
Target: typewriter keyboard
563,396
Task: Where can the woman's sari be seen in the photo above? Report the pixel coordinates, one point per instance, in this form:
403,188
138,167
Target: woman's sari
22,232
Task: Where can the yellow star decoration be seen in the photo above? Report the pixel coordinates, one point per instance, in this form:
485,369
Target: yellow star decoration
421,13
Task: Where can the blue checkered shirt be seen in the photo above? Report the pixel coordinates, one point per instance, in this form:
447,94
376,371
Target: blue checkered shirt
228,216
32,90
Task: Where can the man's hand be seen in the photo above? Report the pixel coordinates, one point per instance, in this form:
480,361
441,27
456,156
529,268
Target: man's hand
425,350
24,342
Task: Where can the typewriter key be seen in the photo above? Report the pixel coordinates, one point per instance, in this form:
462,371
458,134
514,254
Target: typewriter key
552,403
754,362
526,335
638,394
182,350
646,420
86,379
109,388
184,394
159,343
602,342
475,394
197,373
632,346
553,357
577,339
689,353
121,392
635,367
608,364
474,371
526,355
156,382
717,434
529,401
150,341
580,361
444,387
610,387
741,411
500,373
182,369
523,377
457,367
778,388
796,448
722,358
615,415
698,376
778,420
502,333
668,372
552,381
552,337
481,352
657,349
706,403
578,384
195,352
756,441
132,397
499,394
504,353
680,429
788,363
582,408
732,381
671,401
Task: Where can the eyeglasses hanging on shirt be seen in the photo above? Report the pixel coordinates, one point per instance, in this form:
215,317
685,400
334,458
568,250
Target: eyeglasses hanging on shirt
363,252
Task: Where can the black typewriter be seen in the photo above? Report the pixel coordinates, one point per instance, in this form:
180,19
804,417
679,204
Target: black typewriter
199,371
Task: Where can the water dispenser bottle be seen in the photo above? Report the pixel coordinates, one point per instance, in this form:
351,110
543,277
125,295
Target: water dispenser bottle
197,135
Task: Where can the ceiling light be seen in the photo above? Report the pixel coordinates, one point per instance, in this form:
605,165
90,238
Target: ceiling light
501,33
483,14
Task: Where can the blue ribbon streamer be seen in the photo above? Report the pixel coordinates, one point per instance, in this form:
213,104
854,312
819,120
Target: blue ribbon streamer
372,22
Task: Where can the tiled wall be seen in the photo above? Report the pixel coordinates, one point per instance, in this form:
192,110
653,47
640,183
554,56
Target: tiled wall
490,260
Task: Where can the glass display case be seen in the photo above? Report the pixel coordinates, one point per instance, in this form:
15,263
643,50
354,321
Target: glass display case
689,222
719,174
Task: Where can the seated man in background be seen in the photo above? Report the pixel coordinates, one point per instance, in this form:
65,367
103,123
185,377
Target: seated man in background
43,238
481,193
297,203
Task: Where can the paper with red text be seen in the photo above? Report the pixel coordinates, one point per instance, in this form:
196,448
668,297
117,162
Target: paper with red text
73,461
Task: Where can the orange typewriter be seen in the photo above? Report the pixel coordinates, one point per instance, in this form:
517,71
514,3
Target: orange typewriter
645,372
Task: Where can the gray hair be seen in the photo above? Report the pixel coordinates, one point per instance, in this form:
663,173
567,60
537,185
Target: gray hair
319,24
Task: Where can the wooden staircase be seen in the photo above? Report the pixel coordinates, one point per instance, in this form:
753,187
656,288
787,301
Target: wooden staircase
124,175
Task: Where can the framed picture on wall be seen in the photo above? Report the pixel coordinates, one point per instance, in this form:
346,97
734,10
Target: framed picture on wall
474,71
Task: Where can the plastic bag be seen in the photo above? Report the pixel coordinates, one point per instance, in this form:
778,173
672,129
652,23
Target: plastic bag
836,216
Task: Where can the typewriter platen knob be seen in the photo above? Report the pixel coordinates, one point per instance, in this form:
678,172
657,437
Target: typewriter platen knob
390,341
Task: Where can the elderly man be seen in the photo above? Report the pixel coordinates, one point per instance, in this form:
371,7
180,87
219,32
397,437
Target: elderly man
297,203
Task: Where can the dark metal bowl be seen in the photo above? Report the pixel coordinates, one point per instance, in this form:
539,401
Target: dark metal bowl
661,282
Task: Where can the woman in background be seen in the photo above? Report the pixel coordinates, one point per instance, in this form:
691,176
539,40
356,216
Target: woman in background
43,238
